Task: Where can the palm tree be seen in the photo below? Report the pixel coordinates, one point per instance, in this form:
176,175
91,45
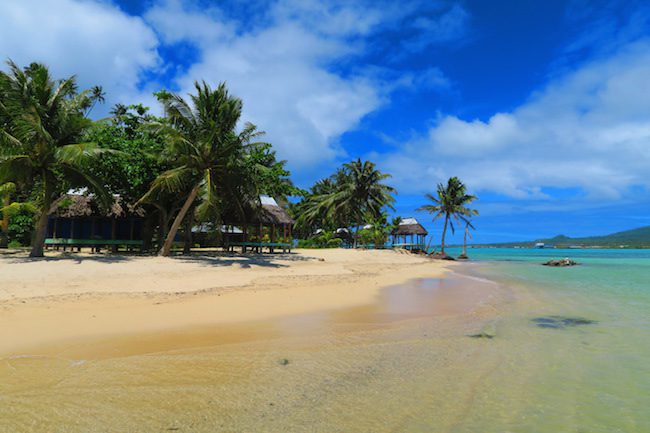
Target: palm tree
451,202
468,225
207,153
356,192
43,124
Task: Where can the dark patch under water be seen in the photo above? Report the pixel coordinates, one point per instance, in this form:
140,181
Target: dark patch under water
482,335
561,322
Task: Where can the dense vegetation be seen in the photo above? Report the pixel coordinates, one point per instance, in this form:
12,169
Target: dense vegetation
349,199
192,166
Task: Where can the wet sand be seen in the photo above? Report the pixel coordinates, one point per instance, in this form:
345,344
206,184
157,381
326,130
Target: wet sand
360,341
398,363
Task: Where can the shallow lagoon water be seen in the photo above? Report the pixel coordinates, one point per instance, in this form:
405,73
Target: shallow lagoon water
403,364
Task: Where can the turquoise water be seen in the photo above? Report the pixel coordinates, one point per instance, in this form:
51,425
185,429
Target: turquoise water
585,378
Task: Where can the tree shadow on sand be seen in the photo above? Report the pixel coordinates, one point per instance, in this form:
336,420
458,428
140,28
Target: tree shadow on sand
242,260
76,258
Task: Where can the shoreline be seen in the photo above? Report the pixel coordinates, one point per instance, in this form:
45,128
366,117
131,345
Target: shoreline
76,298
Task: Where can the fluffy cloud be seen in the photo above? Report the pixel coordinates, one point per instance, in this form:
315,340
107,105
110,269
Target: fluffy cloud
589,129
96,41
302,105
287,64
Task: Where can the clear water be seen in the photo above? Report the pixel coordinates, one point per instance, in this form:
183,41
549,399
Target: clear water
590,378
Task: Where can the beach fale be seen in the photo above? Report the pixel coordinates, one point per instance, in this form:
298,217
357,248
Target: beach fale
76,220
410,235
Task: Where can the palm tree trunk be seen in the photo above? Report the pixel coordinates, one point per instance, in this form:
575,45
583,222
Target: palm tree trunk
38,240
464,254
444,232
167,247
4,224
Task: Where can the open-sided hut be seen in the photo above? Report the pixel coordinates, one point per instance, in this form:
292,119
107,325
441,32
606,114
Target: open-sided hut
410,235
77,220
269,227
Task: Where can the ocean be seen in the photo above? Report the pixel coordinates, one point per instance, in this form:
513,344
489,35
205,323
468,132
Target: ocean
592,375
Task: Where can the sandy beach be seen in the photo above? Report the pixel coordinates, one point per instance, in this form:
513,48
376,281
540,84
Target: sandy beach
92,343
66,297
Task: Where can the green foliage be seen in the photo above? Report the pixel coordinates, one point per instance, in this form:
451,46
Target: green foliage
135,161
41,141
379,231
325,239
218,171
20,228
354,194
270,175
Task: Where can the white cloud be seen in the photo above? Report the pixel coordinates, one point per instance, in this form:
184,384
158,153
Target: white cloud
282,71
589,129
284,61
96,41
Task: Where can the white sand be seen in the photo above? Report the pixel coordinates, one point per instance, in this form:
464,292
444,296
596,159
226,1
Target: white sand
44,302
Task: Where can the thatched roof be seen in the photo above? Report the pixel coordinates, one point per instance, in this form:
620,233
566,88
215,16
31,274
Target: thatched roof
86,205
272,213
409,226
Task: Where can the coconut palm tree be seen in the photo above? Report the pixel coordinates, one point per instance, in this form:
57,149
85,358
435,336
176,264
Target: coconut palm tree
468,226
207,153
354,193
451,202
41,131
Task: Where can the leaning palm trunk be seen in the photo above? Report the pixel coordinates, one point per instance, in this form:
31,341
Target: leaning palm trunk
38,240
167,246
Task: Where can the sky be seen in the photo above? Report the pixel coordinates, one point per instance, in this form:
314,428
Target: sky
541,108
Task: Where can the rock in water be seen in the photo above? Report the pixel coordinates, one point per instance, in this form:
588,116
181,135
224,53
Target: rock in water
561,263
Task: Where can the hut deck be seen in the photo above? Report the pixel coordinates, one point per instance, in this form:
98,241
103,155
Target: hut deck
94,244
259,246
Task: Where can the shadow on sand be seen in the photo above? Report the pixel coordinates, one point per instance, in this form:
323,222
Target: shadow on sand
199,257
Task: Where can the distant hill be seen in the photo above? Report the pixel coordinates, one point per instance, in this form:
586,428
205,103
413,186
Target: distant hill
630,238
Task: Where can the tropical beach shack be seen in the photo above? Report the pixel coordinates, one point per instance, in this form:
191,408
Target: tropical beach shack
77,220
271,228
410,235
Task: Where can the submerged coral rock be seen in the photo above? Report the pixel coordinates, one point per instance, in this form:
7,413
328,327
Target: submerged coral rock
561,322
482,334
561,262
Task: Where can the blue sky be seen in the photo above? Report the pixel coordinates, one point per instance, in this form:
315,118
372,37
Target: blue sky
542,108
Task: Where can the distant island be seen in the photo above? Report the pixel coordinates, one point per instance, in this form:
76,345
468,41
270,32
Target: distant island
635,238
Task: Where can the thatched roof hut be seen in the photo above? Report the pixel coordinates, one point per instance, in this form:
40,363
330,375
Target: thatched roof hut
409,226
86,205
409,234
77,219
272,213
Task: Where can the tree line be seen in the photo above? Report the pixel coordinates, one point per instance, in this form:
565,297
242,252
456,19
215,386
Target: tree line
199,162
